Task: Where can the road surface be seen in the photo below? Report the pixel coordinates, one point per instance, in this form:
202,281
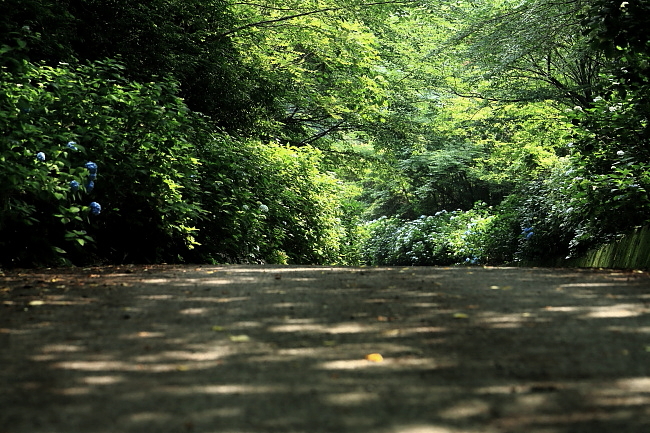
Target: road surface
256,349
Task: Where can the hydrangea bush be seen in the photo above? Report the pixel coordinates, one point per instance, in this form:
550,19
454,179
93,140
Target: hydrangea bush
444,238
98,168
52,200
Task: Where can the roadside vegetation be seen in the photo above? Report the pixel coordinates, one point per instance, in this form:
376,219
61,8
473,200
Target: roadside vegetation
321,132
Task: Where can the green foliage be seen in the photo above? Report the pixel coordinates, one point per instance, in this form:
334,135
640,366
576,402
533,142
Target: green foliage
136,134
441,239
615,27
272,204
300,119
571,210
470,152
165,182
524,51
153,39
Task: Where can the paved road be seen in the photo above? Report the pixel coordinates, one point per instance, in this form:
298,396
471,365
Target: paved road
312,349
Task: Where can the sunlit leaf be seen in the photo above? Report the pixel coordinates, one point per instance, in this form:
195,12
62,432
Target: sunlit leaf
240,338
374,357
461,316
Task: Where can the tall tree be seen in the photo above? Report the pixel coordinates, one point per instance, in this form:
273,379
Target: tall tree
529,50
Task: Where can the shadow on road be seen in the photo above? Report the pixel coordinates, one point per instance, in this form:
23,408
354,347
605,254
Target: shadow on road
295,349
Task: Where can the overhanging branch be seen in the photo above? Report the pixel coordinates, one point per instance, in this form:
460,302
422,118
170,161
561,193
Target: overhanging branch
303,14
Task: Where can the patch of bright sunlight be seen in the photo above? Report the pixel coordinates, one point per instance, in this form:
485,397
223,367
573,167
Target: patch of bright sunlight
232,389
194,311
125,366
143,334
428,429
149,417
630,329
61,348
387,362
351,398
569,285
614,311
466,409
217,300
341,328
73,391
102,380
637,384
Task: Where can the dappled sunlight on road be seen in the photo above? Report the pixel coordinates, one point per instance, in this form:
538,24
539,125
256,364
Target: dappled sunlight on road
245,349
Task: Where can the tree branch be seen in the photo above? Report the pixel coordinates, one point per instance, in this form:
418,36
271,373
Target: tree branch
303,14
321,134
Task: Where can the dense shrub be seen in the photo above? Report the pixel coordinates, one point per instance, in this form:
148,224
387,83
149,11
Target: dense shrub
272,204
96,167
573,209
441,239
136,137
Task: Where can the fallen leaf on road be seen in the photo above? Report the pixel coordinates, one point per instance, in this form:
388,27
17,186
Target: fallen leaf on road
374,357
218,328
239,338
461,316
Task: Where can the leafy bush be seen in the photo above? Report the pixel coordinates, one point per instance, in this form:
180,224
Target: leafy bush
573,209
442,239
91,156
135,135
502,235
271,204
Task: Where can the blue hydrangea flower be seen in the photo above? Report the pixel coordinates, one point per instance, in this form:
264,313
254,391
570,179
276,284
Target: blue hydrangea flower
95,208
92,176
40,156
90,186
529,235
74,185
72,145
91,166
